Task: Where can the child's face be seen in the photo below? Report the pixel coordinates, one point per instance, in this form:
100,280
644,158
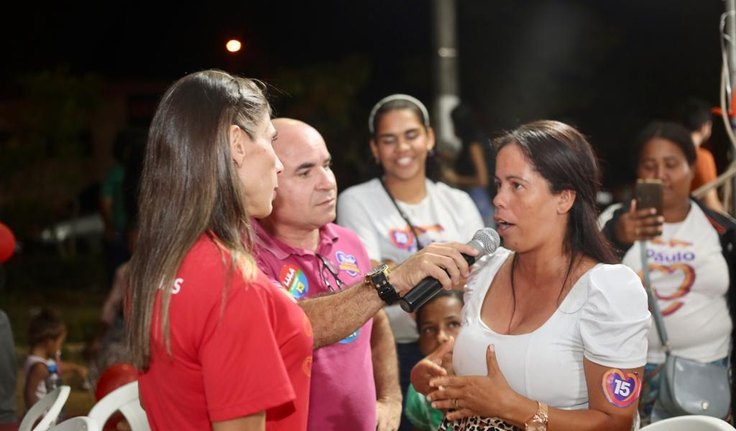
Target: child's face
440,319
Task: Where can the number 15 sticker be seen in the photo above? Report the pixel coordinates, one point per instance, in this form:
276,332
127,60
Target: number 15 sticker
621,388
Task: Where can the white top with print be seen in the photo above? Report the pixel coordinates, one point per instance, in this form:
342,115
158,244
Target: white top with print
604,318
689,276
445,214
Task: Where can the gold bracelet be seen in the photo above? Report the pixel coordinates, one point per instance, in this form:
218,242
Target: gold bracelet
539,421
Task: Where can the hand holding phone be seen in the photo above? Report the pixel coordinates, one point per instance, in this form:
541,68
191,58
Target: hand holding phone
648,194
647,224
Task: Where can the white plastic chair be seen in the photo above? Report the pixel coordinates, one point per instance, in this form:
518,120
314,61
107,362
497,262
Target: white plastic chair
47,409
77,423
689,423
127,401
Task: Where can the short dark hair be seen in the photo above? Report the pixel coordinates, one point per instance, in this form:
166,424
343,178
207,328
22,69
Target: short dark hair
444,293
671,131
46,324
693,113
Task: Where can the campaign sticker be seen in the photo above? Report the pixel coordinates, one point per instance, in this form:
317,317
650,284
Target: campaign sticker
402,238
621,388
294,280
347,263
350,338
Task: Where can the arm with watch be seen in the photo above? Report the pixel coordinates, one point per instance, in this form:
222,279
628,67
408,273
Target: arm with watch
336,316
491,396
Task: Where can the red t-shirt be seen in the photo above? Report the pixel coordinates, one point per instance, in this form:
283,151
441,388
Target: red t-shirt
237,349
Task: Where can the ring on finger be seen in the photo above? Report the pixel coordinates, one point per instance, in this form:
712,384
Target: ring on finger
455,402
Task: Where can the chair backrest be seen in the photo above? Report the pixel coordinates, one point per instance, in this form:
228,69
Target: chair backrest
689,423
47,409
126,400
77,423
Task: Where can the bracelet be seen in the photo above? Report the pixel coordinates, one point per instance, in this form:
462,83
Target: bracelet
539,421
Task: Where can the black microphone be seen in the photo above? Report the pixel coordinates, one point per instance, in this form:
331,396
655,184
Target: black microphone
486,241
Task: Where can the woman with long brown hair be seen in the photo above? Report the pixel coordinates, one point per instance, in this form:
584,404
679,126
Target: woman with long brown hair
218,345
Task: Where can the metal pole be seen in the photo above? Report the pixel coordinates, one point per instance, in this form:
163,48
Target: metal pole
731,31
731,54
446,75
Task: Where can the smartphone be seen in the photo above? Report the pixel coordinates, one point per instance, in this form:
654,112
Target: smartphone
648,194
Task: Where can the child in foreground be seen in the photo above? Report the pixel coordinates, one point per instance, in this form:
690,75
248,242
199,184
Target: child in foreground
437,322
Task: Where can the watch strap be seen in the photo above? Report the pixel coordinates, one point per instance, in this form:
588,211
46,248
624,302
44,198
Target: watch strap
378,278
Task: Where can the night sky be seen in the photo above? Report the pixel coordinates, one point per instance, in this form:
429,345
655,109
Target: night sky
605,66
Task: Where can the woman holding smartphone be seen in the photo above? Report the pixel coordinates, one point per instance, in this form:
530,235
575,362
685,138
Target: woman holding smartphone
690,254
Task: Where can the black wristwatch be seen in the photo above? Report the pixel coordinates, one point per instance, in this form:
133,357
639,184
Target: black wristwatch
378,278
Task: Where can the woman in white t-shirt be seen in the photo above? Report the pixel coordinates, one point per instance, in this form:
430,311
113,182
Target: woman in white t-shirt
688,251
402,210
554,334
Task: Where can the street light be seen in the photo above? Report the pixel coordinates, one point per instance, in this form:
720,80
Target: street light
233,46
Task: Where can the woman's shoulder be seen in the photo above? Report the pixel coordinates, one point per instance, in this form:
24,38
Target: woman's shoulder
449,193
370,186
204,251
721,222
605,286
356,204
614,273
616,284
208,270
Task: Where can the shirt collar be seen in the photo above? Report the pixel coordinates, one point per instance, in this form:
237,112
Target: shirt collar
280,250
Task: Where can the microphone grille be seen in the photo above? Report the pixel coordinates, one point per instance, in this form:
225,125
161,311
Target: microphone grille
486,241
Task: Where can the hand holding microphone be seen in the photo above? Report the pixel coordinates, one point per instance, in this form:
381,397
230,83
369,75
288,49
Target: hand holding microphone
485,242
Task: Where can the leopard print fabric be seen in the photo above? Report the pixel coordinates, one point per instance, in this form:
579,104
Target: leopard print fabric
477,423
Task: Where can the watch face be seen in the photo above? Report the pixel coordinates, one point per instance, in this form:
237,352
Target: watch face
378,270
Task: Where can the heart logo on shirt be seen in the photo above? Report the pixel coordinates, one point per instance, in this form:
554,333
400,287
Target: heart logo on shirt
684,275
621,388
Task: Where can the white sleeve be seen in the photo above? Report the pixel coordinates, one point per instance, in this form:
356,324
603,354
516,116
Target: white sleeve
353,215
615,320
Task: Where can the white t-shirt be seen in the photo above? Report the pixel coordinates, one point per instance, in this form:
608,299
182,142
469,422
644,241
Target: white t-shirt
689,276
603,318
445,214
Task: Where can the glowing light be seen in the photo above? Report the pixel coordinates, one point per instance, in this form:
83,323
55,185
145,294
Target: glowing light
233,45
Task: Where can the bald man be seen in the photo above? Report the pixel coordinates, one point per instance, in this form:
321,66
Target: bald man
355,382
